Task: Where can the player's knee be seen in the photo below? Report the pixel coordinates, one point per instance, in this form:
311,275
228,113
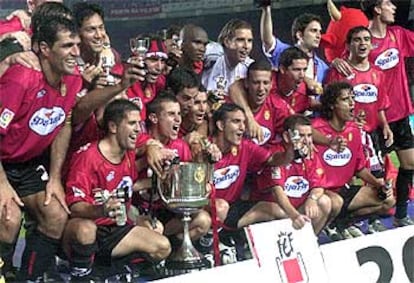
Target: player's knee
325,204
9,228
222,208
86,232
54,221
163,249
203,221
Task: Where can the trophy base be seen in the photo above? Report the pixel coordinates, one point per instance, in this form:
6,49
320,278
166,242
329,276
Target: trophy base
173,268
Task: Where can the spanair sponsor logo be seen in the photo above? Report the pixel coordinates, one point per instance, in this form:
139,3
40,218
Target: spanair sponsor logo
6,117
224,177
45,120
296,186
337,159
290,263
266,136
365,93
388,59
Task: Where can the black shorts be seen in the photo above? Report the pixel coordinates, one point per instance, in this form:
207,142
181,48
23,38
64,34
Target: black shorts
403,136
347,192
29,177
108,238
236,212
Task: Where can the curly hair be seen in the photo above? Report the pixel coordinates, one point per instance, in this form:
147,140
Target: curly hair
328,100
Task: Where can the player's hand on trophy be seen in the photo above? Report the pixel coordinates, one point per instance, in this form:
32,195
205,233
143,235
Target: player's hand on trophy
112,207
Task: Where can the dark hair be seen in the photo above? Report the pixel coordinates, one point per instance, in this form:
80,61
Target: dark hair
221,113
368,7
48,10
84,10
290,54
155,105
294,120
116,111
331,92
47,31
181,78
259,65
229,29
301,22
355,30
172,30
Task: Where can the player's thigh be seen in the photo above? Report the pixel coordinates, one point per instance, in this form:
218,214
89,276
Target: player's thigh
366,197
406,158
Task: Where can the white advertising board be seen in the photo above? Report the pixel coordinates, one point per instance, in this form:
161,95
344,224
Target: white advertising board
383,257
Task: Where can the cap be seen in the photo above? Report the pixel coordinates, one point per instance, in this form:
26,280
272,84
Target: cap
157,49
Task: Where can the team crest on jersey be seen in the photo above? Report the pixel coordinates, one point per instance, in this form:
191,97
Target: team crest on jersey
365,93
266,136
6,117
45,120
41,93
337,159
78,193
234,150
266,115
110,176
224,177
296,186
276,174
388,59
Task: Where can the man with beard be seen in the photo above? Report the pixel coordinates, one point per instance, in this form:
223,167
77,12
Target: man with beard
194,40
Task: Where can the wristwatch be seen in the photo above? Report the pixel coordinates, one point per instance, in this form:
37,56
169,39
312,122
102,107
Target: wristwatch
313,197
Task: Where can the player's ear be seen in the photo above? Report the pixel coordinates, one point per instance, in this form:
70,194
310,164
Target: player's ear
285,136
220,125
44,48
112,127
153,118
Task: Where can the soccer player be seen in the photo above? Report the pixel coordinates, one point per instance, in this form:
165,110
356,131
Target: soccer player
36,111
240,156
163,124
143,92
348,201
236,38
194,40
295,190
99,227
370,102
391,45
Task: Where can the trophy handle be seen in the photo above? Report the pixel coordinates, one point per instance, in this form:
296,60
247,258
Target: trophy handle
160,192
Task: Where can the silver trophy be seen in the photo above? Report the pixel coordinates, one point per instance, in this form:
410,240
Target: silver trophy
183,190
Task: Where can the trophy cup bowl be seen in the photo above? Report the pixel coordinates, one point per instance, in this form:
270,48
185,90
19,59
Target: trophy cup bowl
183,191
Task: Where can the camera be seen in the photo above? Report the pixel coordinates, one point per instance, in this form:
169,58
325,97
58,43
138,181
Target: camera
296,140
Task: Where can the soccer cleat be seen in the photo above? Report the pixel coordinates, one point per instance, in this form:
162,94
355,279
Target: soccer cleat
228,254
346,234
376,226
406,221
333,234
354,231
